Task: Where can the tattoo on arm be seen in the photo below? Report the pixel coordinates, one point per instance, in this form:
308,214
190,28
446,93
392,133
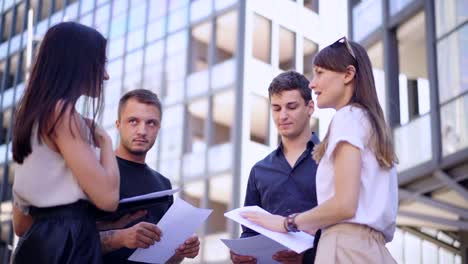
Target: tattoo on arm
107,241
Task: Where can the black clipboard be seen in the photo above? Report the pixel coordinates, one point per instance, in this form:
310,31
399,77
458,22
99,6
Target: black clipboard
134,204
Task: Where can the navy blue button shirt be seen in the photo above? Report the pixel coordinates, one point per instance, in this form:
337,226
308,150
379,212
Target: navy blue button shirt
281,189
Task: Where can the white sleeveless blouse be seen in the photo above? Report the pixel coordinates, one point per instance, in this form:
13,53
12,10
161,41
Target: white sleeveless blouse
44,179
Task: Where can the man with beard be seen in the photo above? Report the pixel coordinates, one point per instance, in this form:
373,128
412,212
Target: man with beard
139,121
283,182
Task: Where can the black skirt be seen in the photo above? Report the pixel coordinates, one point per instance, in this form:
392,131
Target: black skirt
63,234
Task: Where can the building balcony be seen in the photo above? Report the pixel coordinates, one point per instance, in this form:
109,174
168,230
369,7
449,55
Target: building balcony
197,83
3,149
9,94
220,158
223,74
193,165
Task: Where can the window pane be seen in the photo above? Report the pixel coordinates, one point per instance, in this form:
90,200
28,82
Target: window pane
176,4
101,20
157,9
135,39
115,69
454,126
20,16
116,48
118,26
87,20
413,79
200,40
86,6
134,61
452,59
137,17
156,29
310,49
449,14
153,77
262,39
175,66
120,6
177,42
178,19
171,169
287,47
194,192
71,12
200,9
312,5
223,117
376,57
398,5
7,26
226,36
154,52
196,120
259,119
171,128
365,19
45,10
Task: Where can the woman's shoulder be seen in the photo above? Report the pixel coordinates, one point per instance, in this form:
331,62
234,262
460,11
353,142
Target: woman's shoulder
351,115
69,122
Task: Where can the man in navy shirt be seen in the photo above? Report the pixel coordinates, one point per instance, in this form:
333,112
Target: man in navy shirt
284,181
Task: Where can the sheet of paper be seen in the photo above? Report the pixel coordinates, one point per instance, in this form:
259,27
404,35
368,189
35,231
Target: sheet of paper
150,196
298,242
260,247
178,224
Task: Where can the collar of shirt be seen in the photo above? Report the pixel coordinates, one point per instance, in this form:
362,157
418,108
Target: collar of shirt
314,140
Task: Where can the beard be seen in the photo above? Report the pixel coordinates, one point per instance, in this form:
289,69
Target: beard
137,152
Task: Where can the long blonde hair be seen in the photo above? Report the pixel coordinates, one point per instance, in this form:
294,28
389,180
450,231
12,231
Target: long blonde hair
337,58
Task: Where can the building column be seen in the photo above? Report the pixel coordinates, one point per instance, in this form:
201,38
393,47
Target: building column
431,54
464,246
391,68
236,136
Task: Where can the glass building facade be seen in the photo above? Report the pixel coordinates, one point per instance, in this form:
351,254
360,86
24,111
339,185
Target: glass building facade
419,51
209,61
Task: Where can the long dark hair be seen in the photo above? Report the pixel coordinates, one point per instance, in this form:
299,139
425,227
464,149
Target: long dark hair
70,63
337,57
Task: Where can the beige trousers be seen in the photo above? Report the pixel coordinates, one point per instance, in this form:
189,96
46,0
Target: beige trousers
352,243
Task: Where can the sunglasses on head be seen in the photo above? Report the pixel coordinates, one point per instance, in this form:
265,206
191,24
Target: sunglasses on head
344,41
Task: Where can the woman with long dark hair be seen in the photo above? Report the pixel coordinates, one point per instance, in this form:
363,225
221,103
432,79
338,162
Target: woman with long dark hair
357,189
66,164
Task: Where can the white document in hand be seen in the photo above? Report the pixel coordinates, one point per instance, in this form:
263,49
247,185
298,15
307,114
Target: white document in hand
178,224
298,242
260,247
149,196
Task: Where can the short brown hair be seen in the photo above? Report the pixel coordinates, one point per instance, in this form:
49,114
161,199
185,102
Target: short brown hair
288,81
143,96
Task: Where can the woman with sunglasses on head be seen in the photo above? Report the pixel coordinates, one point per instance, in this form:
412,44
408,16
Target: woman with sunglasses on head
357,189
66,164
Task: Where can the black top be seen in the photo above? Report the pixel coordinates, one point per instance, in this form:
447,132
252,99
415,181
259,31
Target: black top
138,179
281,189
